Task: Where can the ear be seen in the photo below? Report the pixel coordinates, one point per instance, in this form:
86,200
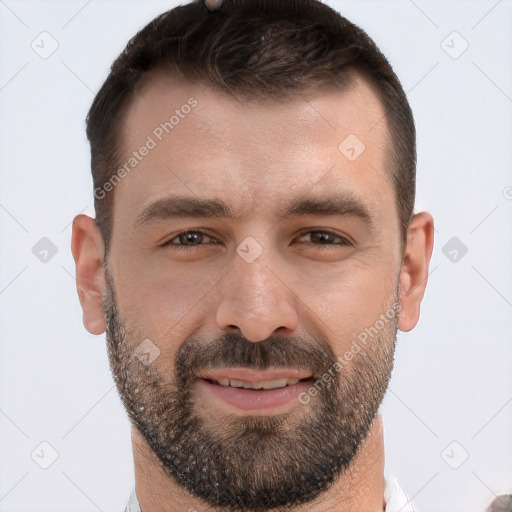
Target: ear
414,269
88,251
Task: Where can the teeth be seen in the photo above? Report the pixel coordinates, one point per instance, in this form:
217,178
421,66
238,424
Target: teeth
269,384
273,384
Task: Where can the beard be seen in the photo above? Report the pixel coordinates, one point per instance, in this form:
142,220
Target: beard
250,463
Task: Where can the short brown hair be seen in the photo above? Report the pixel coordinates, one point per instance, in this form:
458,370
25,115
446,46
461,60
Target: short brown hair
253,49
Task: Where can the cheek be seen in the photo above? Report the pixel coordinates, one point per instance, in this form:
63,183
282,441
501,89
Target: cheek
344,306
156,287
167,307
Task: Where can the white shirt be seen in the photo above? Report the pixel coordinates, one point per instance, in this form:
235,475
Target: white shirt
394,496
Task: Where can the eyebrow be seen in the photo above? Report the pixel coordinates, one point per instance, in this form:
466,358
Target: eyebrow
185,206
188,206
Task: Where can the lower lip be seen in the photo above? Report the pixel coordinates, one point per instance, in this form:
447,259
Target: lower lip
254,399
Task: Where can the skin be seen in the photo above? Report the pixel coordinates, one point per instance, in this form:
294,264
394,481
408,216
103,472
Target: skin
256,157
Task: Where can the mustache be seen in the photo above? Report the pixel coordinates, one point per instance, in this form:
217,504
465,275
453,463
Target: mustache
234,350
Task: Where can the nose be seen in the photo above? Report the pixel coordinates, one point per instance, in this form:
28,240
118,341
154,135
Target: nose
256,302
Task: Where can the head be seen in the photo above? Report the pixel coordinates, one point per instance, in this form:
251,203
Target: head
254,176
289,49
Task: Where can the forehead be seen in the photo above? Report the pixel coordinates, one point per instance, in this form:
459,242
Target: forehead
187,138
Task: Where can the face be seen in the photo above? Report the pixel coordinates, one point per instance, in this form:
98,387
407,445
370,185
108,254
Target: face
252,287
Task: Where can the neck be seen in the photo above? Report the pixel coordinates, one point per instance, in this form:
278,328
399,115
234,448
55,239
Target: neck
360,487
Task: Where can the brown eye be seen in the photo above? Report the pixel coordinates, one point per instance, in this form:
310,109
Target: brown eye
325,238
188,239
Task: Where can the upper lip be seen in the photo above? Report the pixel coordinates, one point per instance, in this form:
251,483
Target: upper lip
251,375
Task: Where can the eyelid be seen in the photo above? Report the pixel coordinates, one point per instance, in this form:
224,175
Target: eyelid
345,240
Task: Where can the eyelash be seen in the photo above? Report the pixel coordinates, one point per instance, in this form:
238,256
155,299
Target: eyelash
343,242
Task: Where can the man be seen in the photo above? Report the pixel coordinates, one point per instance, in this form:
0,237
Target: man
253,255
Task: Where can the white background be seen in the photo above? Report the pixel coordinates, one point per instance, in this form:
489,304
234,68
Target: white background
452,380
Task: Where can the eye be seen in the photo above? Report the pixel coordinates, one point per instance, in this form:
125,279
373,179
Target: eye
188,239
194,238
325,238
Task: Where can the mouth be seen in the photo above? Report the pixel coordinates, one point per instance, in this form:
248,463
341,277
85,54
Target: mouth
267,384
243,390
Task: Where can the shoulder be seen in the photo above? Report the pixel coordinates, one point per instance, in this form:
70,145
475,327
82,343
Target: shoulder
395,497
133,503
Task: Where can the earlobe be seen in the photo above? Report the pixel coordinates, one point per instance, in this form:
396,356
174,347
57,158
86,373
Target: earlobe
414,270
88,251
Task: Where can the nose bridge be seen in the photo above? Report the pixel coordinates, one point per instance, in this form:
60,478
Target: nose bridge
254,299
257,281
